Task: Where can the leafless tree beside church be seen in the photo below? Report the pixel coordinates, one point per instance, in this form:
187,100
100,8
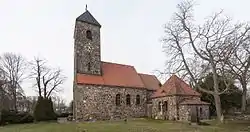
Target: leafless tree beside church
13,68
239,65
194,50
47,80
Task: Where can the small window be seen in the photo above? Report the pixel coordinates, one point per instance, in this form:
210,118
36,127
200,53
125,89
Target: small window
138,100
165,104
89,35
89,63
118,100
89,66
128,99
159,106
200,111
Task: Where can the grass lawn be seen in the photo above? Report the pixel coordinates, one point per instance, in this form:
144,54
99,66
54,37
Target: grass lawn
138,125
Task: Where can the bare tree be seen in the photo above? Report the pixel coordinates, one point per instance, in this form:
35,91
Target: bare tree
195,50
239,65
47,80
13,66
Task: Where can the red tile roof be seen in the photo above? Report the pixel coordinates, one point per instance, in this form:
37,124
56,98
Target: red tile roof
194,102
175,86
113,75
150,81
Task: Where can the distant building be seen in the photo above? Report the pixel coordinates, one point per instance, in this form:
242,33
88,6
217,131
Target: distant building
105,90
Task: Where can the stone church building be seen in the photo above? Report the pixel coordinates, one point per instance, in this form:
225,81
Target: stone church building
106,90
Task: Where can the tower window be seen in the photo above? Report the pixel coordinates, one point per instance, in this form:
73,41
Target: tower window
89,65
118,100
89,35
137,99
128,99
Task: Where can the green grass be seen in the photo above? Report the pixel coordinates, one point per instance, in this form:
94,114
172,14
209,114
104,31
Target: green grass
139,125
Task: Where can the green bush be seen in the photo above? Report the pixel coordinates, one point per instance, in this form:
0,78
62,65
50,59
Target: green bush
44,110
12,117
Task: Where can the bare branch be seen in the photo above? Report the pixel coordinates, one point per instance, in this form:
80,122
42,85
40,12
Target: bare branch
47,79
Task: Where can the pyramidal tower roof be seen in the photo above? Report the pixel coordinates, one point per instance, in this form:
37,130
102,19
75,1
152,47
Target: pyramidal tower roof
88,18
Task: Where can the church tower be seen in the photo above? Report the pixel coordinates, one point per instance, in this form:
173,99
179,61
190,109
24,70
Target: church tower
87,48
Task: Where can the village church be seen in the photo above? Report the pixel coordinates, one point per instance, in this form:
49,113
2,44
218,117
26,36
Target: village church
106,90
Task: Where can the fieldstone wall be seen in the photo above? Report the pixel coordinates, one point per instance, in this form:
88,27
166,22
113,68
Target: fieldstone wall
99,102
149,110
87,51
170,113
185,111
149,94
177,112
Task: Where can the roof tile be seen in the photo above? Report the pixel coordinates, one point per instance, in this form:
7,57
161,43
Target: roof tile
150,81
113,75
175,86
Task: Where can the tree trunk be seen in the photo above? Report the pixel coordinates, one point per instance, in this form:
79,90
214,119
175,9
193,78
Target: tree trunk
15,103
216,92
244,96
218,106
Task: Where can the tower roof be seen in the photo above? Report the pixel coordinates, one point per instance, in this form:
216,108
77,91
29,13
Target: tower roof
88,18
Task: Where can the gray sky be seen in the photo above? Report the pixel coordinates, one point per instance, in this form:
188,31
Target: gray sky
130,34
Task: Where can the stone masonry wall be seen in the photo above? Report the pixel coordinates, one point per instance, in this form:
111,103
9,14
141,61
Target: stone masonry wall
175,111
171,112
84,58
99,102
149,94
185,111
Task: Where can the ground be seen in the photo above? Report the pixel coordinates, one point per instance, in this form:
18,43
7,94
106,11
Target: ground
138,125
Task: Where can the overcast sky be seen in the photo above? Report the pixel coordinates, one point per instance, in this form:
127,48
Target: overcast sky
130,34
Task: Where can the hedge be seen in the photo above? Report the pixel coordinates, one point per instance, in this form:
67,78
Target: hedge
11,117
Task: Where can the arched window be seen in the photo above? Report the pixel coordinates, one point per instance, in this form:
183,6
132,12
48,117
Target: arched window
89,66
89,34
128,99
89,63
138,100
159,106
165,106
118,100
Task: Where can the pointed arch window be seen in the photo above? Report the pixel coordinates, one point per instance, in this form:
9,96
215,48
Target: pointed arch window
159,106
128,99
89,34
165,106
118,100
138,99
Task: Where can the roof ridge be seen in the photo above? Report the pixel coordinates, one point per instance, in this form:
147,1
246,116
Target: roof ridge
146,74
117,63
